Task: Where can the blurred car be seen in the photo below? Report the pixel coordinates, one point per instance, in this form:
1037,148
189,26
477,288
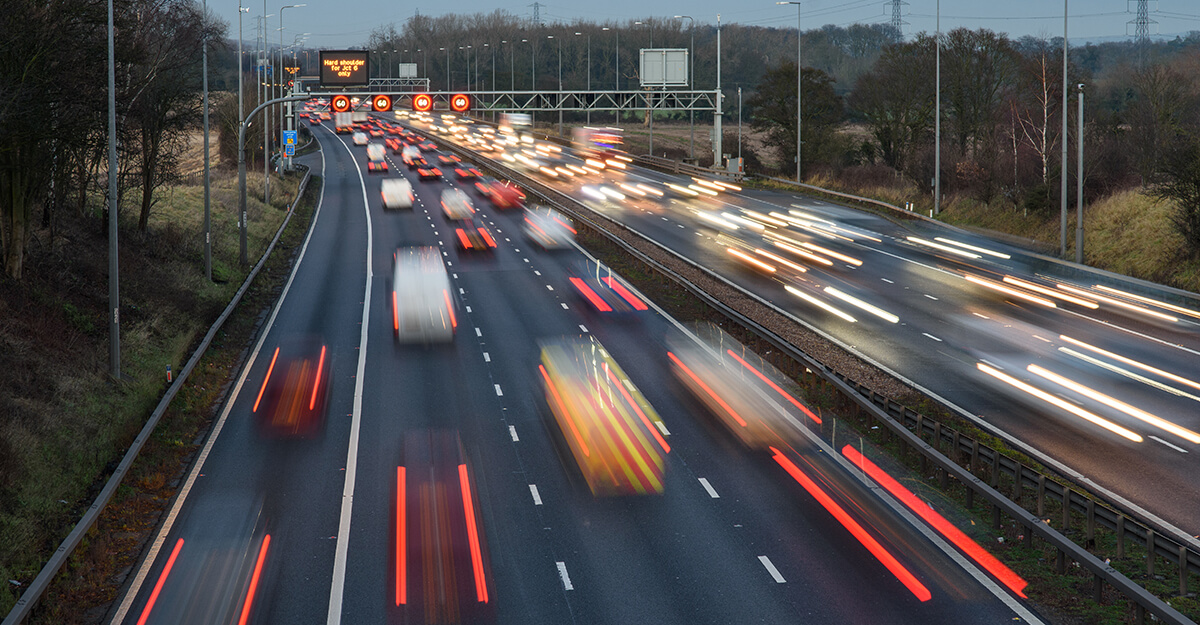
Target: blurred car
359,138
427,146
474,236
291,401
428,172
394,145
613,434
467,172
397,193
412,157
457,205
483,185
506,195
447,159
423,309
747,395
325,116
548,228
375,132
441,571
603,289
314,121
377,167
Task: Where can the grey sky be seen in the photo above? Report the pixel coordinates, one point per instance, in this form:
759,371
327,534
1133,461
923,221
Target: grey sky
342,23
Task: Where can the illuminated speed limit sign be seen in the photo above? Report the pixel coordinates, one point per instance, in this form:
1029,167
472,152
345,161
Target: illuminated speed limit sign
460,103
422,102
341,103
381,103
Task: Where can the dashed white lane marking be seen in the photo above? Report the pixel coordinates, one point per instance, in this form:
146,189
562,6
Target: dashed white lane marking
679,225
537,498
931,336
525,259
499,393
981,316
566,579
512,429
565,307
1175,447
888,281
581,327
549,288
708,487
478,332
536,272
461,291
455,275
468,309
931,297
516,250
771,569
662,428
486,357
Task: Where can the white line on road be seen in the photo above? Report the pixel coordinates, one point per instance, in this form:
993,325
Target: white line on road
932,337
486,357
931,297
771,569
499,393
478,332
565,307
888,281
536,272
1175,447
337,587
566,579
461,291
708,487
512,429
537,498
549,288
468,309
581,327
662,428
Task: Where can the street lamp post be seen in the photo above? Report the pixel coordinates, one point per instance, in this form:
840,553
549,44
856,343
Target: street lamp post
799,67
1079,184
447,49
114,289
280,78
1063,229
739,124
560,98
589,74
241,121
937,116
692,84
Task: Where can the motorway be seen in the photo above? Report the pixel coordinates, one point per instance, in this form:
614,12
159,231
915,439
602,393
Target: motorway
1098,387
284,530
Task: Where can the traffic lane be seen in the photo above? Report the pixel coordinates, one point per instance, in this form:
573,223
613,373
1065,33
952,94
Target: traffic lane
645,368
272,474
414,388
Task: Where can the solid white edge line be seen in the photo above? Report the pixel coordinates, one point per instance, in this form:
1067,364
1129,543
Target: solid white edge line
337,587
708,487
766,562
1175,447
161,538
537,498
562,572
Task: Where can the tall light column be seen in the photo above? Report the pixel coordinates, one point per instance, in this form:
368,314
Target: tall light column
692,83
1063,226
280,80
241,105
560,113
1079,183
799,74
114,289
937,116
717,154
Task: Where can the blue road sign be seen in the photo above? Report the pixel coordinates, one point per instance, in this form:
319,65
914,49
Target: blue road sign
289,143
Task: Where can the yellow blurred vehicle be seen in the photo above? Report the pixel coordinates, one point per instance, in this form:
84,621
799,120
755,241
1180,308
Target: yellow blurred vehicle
614,434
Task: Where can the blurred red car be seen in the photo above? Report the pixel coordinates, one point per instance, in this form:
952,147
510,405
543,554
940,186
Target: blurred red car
506,195
291,401
441,570
474,236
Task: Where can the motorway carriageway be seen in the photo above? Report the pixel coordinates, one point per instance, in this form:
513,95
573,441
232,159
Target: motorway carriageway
270,530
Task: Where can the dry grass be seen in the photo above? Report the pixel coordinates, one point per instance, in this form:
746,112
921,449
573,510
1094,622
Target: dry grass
65,423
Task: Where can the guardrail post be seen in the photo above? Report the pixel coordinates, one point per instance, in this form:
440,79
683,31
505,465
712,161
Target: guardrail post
1060,563
937,435
995,517
1018,488
1066,501
1120,535
957,455
1098,589
1091,522
1139,614
974,456
970,496
1149,552
1183,570
995,468
1041,496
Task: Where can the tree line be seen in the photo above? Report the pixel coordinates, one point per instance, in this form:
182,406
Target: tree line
54,106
